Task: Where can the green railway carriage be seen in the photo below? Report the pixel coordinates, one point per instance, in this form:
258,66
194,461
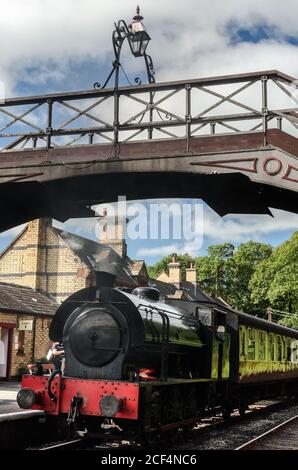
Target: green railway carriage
267,351
245,358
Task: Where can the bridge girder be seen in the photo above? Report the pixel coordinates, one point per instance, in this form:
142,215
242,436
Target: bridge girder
236,171
232,174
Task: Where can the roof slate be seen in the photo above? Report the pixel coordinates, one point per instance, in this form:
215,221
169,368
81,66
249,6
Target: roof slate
25,300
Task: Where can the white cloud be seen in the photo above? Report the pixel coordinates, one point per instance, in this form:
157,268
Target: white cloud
234,228
159,250
48,41
189,38
245,227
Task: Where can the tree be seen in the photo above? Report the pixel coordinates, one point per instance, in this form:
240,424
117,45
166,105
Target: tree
275,281
246,259
250,278
213,270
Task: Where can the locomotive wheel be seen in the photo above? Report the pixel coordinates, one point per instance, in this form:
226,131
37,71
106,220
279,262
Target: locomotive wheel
227,410
58,426
150,437
190,402
243,407
156,409
173,405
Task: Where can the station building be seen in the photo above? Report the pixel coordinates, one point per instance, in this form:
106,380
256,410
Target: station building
25,317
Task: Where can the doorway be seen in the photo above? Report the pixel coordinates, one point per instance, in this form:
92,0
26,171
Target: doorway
5,340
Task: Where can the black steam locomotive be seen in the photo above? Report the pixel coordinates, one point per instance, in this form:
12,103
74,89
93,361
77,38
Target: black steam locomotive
150,365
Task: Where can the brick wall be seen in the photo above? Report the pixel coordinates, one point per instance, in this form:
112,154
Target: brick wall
39,259
31,351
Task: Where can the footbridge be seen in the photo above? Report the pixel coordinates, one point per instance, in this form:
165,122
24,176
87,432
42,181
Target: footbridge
230,140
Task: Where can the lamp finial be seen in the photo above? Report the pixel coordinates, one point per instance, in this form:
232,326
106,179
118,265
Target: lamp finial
138,17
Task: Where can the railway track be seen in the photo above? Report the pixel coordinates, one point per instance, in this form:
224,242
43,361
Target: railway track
63,445
207,426
281,437
229,434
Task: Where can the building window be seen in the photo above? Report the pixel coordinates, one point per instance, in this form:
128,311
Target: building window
21,342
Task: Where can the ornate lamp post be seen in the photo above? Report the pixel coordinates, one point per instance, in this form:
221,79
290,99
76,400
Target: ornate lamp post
138,40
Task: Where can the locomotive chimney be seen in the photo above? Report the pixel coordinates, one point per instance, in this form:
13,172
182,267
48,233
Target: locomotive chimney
104,279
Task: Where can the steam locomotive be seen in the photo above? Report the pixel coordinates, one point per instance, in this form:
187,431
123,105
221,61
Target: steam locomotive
149,365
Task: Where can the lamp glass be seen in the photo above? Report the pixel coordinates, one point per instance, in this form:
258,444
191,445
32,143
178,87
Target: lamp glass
138,41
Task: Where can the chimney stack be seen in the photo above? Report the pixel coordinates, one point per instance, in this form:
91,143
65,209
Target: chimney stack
191,274
175,271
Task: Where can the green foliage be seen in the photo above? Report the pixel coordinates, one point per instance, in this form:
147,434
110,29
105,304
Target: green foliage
213,269
250,278
275,281
290,320
246,259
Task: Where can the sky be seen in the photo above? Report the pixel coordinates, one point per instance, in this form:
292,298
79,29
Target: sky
53,45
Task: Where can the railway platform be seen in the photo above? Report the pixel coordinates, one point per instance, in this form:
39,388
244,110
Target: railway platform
18,428
8,394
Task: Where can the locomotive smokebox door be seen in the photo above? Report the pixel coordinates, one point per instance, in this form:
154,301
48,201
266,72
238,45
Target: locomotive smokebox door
95,337
95,341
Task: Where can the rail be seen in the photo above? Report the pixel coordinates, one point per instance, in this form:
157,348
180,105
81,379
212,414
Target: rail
275,437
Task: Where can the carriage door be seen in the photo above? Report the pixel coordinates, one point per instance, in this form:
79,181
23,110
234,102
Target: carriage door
221,350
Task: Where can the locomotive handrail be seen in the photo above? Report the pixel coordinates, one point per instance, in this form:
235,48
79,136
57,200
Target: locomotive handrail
151,324
49,385
164,348
165,336
168,312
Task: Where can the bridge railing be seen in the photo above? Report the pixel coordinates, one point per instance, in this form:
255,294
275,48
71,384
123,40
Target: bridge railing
172,110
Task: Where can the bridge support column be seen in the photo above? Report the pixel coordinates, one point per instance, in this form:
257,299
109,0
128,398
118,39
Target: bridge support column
264,80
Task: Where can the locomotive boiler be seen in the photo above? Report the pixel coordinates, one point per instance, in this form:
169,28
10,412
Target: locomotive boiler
112,334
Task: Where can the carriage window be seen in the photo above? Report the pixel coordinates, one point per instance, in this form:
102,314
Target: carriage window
262,346
289,349
242,342
279,348
251,351
271,347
